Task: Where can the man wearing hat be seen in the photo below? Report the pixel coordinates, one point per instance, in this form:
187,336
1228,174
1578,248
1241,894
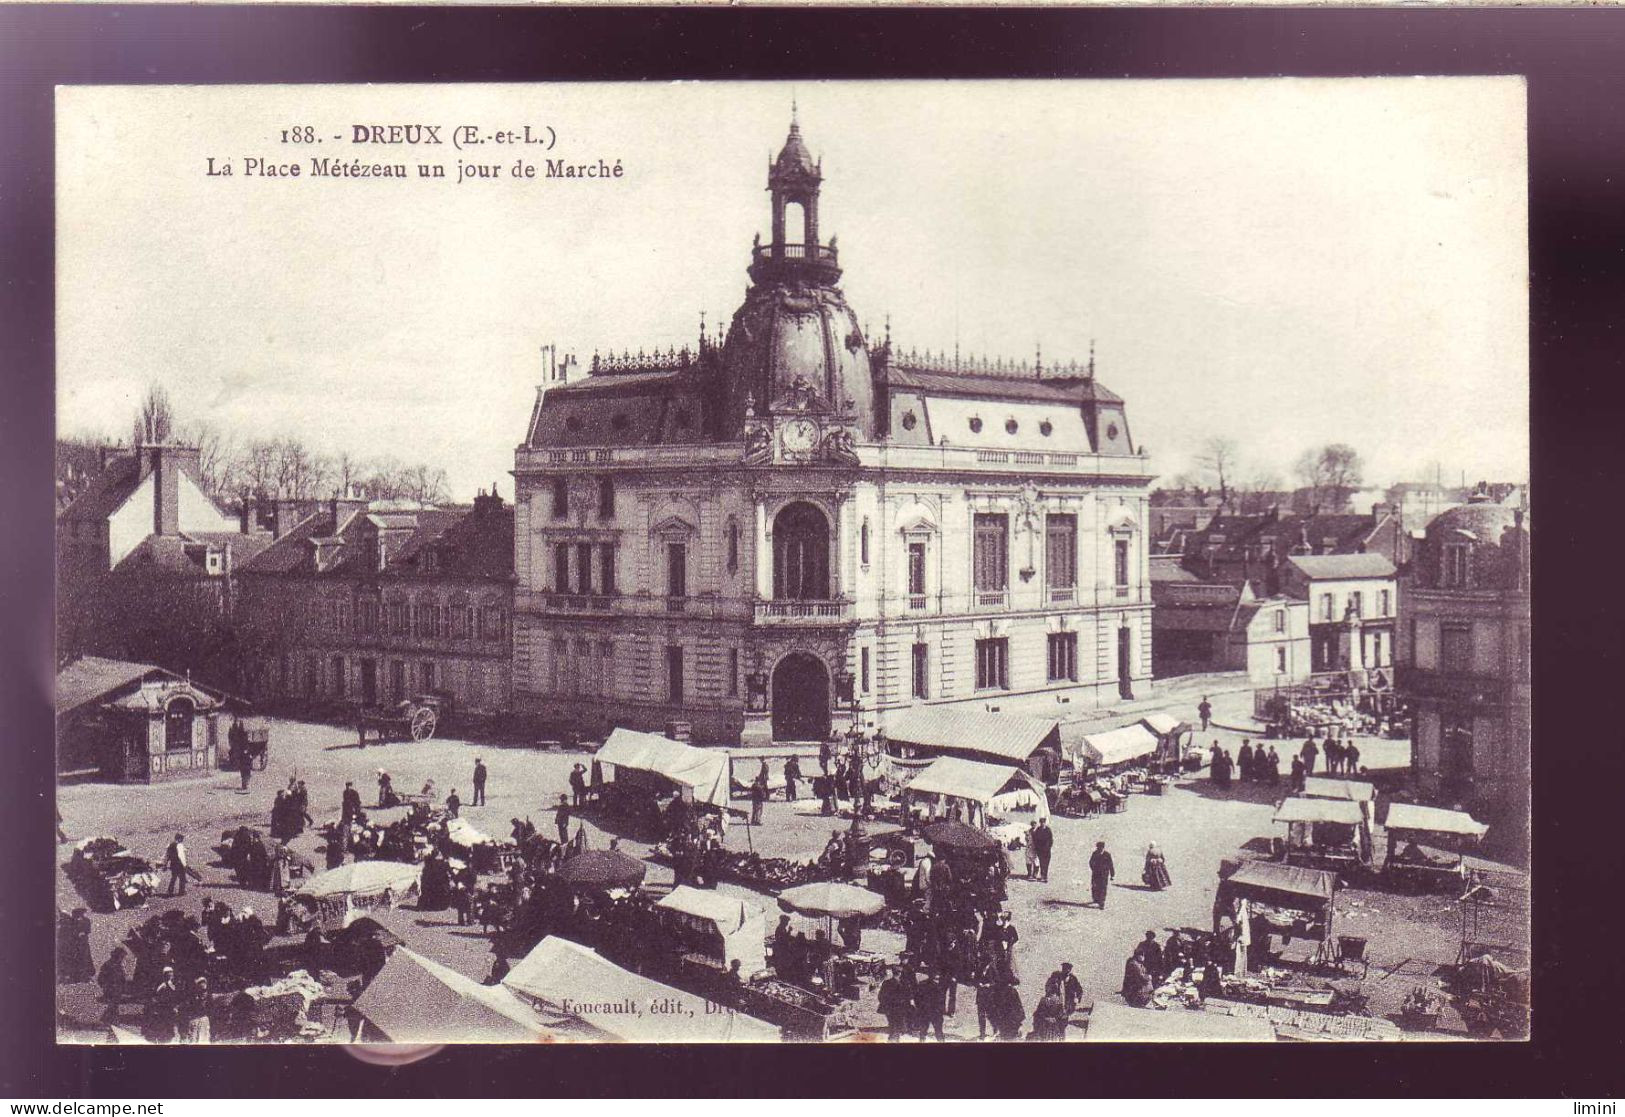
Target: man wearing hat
1101,872
480,774
175,859
161,1009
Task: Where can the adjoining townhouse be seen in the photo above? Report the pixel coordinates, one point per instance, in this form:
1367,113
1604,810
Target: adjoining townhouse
1214,626
368,604
1464,659
1353,602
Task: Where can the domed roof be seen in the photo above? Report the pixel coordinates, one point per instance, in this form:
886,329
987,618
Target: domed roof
794,157
1484,521
797,346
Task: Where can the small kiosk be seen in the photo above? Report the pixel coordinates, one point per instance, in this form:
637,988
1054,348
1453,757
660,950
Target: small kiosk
1265,899
1330,834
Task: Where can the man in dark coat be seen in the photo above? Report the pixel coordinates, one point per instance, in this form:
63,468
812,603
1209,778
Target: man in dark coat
350,804
480,775
1351,758
562,819
1137,985
1150,955
1204,709
114,981
1297,773
1309,752
454,804
1101,872
578,784
1244,761
896,1004
1064,984
237,738
175,861
1043,845
758,796
930,997
792,774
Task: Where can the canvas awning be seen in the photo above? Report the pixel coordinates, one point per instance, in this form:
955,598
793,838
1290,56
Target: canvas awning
564,978
1300,809
363,877
1292,880
959,729
1163,724
728,913
1114,746
978,783
704,772
1324,787
416,1000
1433,820
1114,1023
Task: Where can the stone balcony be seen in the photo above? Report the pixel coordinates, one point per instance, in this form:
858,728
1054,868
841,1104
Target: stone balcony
832,611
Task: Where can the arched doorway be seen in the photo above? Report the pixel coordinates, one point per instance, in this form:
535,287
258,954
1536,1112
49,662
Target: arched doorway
178,725
800,698
800,553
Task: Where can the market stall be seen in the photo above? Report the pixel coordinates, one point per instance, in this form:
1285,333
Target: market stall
1176,746
924,733
1430,858
1113,1023
644,767
109,876
414,999
570,985
716,930
1325,833
985,793
1333,787
334,899
1262,899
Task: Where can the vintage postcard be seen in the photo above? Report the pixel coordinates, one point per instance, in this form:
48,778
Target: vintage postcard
742,563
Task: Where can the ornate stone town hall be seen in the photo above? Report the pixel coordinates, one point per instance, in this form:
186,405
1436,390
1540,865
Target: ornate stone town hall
792,526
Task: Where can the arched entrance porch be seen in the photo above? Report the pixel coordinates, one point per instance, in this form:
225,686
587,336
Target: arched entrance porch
800,698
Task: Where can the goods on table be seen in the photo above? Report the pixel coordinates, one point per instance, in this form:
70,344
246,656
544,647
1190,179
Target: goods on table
280,1010
110,876
764,874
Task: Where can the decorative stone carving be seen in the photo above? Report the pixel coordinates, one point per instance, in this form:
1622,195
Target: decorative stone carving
839,448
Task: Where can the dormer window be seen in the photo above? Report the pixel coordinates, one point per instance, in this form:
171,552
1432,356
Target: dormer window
1454,572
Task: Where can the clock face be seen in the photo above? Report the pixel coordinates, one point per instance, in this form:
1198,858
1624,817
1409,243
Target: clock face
800,435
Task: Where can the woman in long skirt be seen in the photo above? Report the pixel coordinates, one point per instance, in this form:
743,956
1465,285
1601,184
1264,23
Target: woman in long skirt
1155,874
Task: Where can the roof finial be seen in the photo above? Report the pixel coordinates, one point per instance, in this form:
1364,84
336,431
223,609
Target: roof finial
1038,361
1091,358
888,329
794,125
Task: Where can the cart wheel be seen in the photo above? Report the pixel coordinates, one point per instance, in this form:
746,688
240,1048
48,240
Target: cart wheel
423,722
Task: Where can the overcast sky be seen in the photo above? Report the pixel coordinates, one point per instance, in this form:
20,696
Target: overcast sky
1286,262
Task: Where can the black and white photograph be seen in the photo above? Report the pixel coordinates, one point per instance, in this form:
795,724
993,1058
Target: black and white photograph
961,561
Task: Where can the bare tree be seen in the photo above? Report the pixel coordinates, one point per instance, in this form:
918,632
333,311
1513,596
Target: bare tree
155,420
1255,491
1332,474
218,465
1216,463
426,484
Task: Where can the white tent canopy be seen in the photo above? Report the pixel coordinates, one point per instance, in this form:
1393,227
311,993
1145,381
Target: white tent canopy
364,878
703,773
995,787
1434,820
1324,787
1114,746
416,1000
953,728
1298,809
743,926
1162,723
565,978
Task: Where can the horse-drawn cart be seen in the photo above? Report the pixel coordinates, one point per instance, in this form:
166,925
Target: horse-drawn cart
413,719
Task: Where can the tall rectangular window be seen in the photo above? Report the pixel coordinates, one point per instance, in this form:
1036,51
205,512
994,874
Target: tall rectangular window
583,568
674,673
990,553
1061,551
561,568
1280,620
993,664
561,664
1063,657
1456,647
1384,604
581,681
916,569
606,568
922,671
1120,562
606,667
1357,603
733,672
1326,607
676,570
338,676
561,497
397,679
606,499
1454,574
863,669
1280,661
